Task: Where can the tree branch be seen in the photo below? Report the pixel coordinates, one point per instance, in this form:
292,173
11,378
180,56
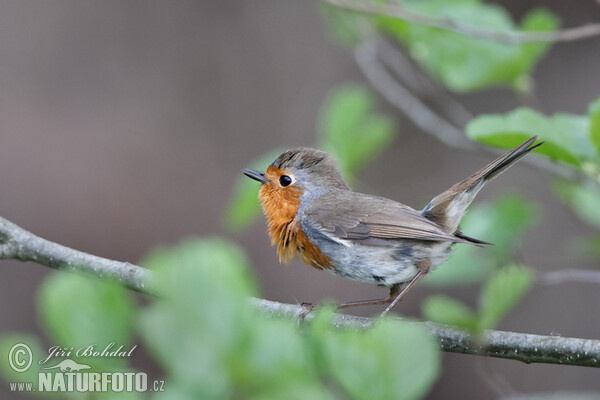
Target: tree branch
523,347
569,275
399,12
19,244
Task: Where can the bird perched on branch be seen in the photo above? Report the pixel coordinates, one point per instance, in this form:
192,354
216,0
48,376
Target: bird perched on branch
312,212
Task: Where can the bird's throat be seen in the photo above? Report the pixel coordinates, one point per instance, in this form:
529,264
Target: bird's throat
280,206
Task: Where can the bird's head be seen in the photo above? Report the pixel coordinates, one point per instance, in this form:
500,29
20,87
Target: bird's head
292,174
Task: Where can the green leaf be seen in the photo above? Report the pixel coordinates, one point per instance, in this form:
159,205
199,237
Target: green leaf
468,265
279,352
77,312
566,136
590,246
502,223
244,207
203,318
594,115
583,200
295,391
401,358
351,130
20,360
343,26
446,310
464,63
502,293
199,271
537,20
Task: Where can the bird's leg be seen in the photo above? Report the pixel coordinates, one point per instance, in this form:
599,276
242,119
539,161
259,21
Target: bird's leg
423,268
395,294
394,290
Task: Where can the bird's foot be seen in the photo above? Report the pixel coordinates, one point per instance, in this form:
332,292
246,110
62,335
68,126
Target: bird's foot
307,309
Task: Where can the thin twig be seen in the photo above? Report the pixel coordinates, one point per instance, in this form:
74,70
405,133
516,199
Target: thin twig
407,70
399,12
436,125
19,244
422,116
569,275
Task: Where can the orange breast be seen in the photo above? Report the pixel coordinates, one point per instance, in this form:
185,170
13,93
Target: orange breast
280,206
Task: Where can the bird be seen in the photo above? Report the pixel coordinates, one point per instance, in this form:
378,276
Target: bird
313,213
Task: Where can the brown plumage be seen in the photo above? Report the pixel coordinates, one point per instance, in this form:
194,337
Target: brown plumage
438,209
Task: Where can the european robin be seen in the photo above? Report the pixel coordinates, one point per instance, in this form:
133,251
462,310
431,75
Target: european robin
312,212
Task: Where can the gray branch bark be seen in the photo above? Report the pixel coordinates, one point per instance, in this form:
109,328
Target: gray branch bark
19,244
523,347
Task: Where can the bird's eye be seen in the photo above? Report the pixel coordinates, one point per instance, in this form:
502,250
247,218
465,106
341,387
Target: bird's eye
285,180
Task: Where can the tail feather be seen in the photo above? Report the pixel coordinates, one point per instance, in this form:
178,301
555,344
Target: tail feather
449,207
502,163
471,240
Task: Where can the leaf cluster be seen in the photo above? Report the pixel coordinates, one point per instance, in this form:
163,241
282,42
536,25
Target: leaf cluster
212,344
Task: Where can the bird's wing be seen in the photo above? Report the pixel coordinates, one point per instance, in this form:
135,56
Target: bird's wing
358,217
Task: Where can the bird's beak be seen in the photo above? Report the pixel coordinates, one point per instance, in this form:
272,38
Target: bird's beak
256,175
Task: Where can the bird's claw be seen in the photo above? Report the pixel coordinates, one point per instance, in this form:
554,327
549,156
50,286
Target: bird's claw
308,307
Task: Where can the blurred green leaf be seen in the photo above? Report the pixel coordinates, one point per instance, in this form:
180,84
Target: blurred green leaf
391,360
566,136
583,200
501,293
202,320
279,351
343,26
463,63
591,246
30,375
224,347
214,345
295,391
502,223
468,265
537,20
220,263
594,115
194,360
244,207
77,312
446,310
351,130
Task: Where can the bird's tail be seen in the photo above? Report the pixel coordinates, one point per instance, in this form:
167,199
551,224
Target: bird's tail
448,208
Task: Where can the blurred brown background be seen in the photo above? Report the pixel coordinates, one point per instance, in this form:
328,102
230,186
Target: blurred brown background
124,123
